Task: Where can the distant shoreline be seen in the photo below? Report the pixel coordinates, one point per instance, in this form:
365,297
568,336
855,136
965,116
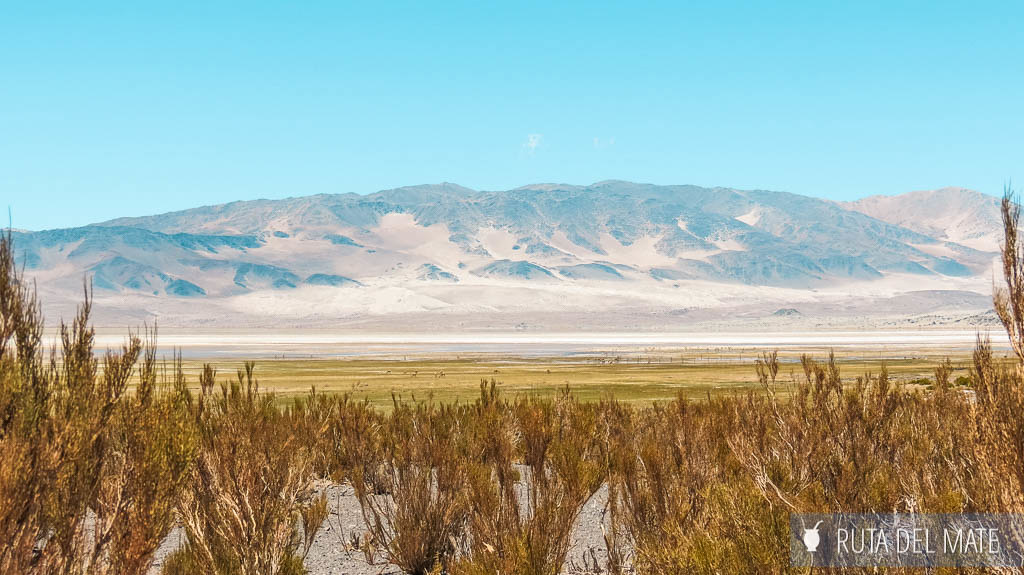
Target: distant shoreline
323,343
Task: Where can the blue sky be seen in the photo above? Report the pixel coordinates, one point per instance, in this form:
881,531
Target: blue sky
111,109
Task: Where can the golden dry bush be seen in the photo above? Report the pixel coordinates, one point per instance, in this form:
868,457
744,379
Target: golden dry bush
89,473
310,417
535,464
411,488
664,462
154,444
353,441
251,485
999,388
707,487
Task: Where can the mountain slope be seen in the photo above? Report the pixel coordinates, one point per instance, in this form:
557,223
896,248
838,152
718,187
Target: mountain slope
761,238
543,247
956,215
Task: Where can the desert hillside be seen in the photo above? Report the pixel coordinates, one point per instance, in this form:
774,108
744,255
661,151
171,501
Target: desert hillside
610,255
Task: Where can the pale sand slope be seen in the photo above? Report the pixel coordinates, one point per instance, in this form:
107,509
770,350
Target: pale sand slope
586,305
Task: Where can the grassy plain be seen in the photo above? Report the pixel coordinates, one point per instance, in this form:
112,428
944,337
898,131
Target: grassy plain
629,377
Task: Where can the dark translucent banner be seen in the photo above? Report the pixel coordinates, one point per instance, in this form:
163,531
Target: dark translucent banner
909,540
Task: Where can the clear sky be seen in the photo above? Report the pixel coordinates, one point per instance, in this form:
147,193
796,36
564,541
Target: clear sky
144,107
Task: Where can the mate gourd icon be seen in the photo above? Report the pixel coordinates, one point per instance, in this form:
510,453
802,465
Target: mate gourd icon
811,538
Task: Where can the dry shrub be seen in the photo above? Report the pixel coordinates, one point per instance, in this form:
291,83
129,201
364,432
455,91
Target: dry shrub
89,473
1000,432
154,443
618,432
999,387
311,418
252,481
522,516
665,460
708,487
1008,300
354,442
311,518
828,447
411,484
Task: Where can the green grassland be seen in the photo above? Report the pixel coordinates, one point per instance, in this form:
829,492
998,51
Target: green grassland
632,378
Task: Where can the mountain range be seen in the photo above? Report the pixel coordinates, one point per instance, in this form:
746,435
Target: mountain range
612,254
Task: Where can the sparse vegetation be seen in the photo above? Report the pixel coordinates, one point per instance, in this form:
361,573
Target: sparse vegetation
411,484
89,475
250,485
639,380
95,472
535,463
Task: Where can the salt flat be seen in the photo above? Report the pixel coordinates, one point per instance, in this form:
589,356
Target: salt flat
321,343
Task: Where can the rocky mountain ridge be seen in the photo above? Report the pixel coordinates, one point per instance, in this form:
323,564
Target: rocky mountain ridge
448,248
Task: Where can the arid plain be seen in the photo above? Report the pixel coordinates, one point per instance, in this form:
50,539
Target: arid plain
632,367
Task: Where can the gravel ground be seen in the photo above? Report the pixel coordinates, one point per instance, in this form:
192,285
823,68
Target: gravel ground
331,553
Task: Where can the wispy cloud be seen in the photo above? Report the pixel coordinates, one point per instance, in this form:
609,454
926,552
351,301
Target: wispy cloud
604,142
533,141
